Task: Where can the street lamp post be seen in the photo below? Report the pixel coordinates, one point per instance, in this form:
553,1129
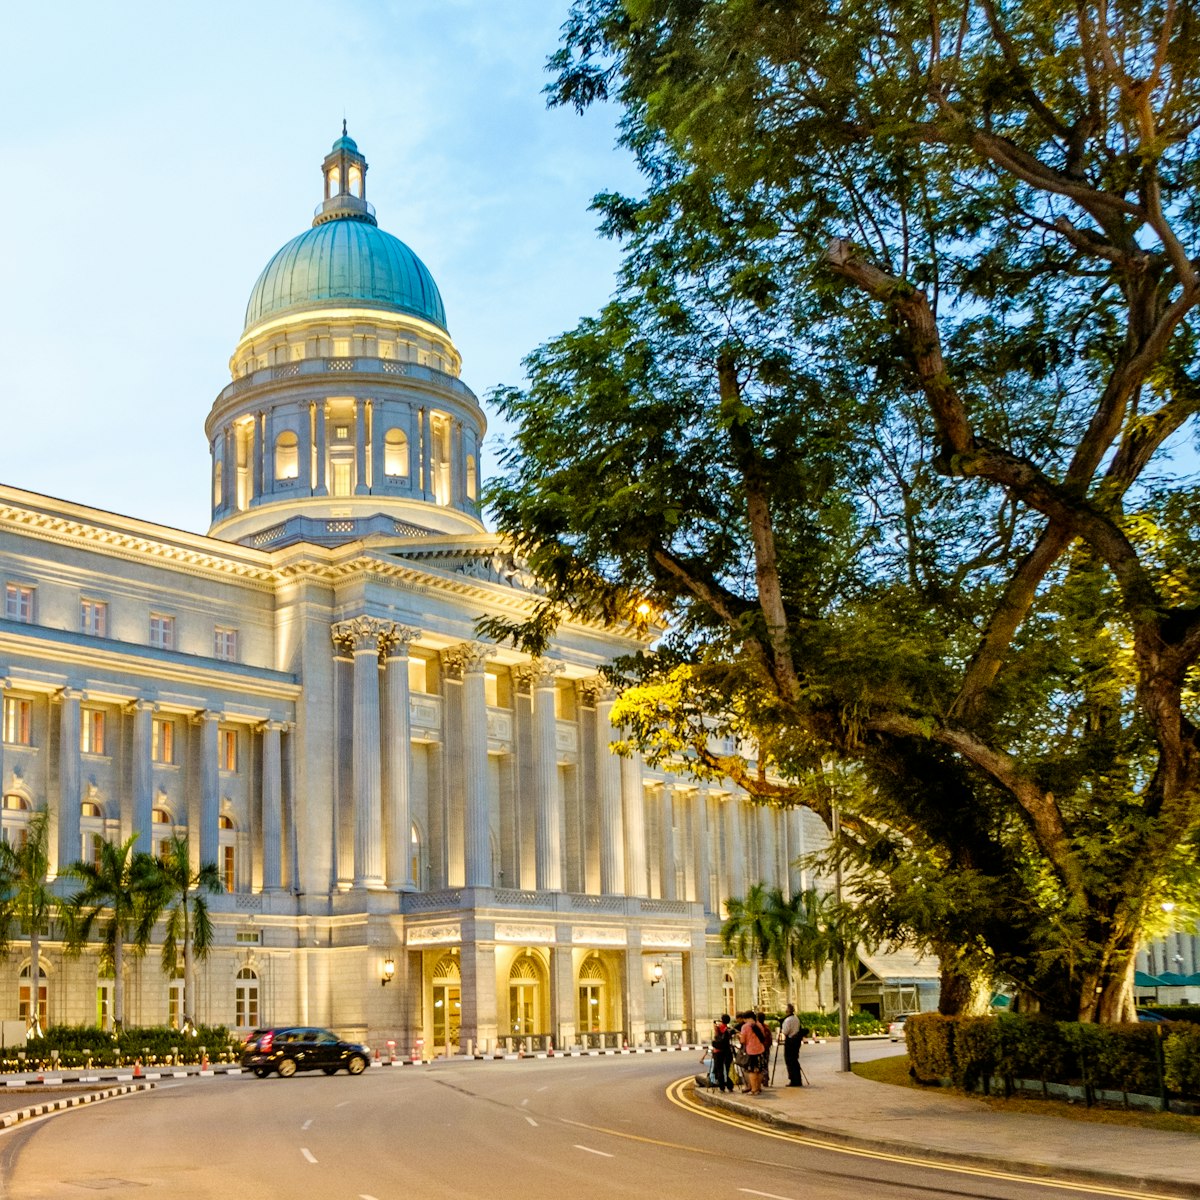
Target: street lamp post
843,961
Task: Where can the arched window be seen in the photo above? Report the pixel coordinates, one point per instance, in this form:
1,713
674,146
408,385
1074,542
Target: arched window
472,482
334,182
287,456
354,181
175,1013
439,432
162,831
227,847
104,999
245,999
91,831
218,484
16,820
395,453
727,994
25,994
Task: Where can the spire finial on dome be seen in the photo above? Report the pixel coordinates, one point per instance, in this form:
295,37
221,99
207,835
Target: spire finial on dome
343,127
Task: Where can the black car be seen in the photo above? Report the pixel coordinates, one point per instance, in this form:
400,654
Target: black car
302,1048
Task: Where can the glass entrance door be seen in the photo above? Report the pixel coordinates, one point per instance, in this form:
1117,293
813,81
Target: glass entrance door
589,1007
447,1014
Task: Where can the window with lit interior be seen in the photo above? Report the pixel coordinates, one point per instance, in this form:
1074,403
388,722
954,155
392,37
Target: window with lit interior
287,456
395,453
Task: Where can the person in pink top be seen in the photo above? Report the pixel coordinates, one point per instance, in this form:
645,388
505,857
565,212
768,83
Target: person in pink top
754,1041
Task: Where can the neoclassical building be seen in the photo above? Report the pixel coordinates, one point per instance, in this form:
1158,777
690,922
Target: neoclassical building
420,836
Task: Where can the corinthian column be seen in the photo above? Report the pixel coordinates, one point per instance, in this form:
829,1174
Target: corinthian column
468,660
397,760
634,804
272,807
360,638
608,788
549,830
69,792
210,788
143,779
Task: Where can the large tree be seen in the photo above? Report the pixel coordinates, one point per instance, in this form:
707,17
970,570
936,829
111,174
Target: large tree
27,901
886,419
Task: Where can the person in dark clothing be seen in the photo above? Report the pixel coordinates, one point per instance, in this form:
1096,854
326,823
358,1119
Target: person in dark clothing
790,1032
722,1053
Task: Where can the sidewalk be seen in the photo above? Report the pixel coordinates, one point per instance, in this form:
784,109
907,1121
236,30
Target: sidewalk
929,1124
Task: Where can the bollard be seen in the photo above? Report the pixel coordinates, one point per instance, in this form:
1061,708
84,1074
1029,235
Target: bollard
137,1068
418,1050
549,1047
391,1051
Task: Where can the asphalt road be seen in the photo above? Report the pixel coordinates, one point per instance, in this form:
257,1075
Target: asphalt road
560,1129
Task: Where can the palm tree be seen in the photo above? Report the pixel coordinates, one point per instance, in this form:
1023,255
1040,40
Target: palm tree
747,930
188,921
26,900
803,940
122,895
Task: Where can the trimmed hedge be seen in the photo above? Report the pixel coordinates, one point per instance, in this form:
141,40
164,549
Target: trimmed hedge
985,1052
87,1046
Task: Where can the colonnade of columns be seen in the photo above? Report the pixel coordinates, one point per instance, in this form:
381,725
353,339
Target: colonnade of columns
137,800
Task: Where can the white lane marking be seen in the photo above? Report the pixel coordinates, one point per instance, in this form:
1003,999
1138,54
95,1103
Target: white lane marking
591,1151
543,1087
768,1195
307,1154
532,1122
525,1102
342,1104
306,1124
364,1196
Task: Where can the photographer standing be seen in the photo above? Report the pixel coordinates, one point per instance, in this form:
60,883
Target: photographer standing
790,1032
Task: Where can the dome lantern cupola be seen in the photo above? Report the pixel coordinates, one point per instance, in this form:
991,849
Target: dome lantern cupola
345,173
345,416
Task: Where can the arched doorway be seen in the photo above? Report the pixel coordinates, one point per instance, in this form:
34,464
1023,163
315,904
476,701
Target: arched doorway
524,996
592,995
447,1005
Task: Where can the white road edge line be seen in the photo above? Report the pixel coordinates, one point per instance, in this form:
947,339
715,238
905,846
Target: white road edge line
364,1196
532,1122
307,1154
591,1151
768,1195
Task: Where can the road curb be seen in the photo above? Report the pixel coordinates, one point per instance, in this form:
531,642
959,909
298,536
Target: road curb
9,1119
1042,1170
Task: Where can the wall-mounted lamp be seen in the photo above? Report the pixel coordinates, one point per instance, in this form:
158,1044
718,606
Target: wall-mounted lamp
389,971
656,974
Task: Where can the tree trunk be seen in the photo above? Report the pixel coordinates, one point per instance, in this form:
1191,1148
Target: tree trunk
118,985
963,993
35,981
1106,994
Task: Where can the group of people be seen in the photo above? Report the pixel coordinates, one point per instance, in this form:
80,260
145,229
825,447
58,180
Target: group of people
740,1050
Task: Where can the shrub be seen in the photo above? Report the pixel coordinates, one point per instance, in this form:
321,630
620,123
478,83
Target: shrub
1181,1050
976,1051
930,1039
86,1045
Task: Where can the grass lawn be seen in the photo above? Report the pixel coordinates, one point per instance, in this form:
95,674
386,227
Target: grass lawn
894,1070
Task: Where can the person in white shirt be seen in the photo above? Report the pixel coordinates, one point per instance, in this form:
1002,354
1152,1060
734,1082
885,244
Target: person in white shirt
790,1032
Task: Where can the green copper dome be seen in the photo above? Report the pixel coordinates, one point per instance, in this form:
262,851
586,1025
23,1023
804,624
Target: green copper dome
345,262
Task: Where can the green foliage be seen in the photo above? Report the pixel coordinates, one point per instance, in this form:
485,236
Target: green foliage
1116,1058
880,423
84,1045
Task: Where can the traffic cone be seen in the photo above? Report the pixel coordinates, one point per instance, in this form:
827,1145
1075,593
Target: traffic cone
204,1061
550,1048
137,1068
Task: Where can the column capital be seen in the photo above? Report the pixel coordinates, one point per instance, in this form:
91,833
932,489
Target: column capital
467,658
359,635
69,693
540,673
275,726
598,690
394,643
206,715
141,705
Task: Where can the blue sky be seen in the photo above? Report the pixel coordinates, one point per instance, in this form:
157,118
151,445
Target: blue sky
158,155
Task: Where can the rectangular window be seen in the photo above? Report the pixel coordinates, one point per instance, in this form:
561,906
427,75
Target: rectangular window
227,747
18,722
18,603
93,617
228,875
162,632
91,731
225,644
162,741
248,937
418,675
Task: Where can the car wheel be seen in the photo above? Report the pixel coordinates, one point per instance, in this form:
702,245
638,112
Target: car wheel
357,1065
261,1072
330,1070
287,1067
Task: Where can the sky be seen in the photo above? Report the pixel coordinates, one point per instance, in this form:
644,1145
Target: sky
159,154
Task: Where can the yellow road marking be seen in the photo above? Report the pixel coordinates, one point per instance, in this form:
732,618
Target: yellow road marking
676,1093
